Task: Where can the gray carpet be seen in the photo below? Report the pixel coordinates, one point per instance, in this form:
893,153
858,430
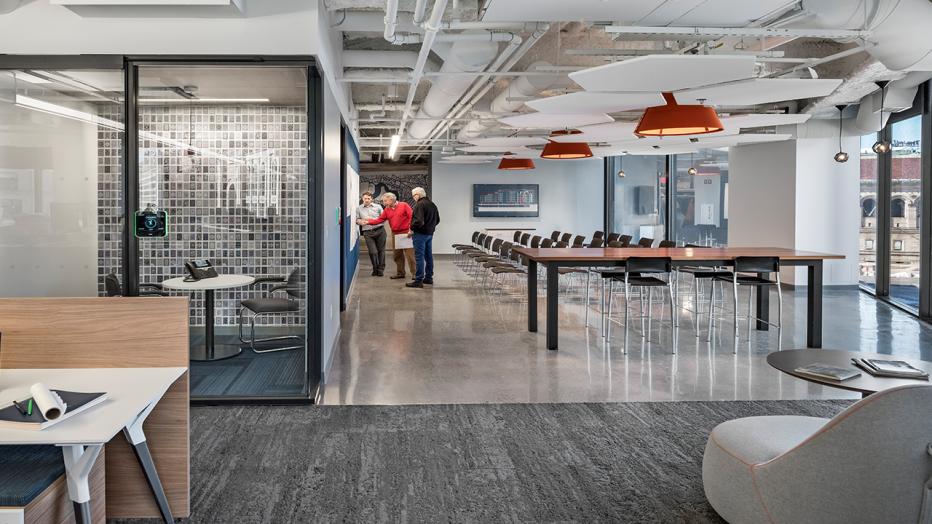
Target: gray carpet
632,462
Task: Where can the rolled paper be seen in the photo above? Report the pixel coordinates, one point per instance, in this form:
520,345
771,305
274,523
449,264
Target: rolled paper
49,403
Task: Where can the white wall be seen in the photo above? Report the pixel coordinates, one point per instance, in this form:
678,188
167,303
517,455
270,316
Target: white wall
333,158
793,194
571,198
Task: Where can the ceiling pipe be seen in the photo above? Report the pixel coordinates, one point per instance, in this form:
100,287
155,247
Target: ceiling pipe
478,91
383,59
430,33
420,7
391,19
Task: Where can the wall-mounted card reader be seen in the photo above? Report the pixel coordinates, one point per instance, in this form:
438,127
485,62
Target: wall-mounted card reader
151,223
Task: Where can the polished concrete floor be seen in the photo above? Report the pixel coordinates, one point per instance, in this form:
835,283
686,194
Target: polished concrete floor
456,343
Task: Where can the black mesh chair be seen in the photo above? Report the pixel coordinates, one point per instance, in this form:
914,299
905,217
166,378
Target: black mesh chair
555,236
579,241
596,242
545,243
740,277
535,241
667,243
566,237
639,274
645,242
516,237
525,237
625,240
598,234
612,237
293,287
699,274
115,289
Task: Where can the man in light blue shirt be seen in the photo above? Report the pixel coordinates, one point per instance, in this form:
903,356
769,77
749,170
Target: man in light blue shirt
374,235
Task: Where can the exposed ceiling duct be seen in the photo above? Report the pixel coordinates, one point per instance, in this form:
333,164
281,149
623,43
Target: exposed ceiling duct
465,57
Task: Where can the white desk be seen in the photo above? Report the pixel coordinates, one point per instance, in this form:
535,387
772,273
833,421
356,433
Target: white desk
210,351
132,393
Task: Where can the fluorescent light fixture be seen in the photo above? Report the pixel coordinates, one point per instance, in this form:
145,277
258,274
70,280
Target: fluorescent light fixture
67,112
205,100
32,79
393,146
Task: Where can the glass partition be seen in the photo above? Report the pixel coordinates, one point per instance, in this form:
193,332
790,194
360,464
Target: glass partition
223,152
867,254
700,196
61,225
640,199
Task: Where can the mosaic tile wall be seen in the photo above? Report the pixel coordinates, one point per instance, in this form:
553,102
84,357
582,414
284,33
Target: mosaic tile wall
401,183
238,196
110,202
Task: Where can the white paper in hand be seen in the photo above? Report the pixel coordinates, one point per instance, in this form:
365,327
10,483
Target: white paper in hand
403,241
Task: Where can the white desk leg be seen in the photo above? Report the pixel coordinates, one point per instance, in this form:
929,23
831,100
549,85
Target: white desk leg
79,460
135,436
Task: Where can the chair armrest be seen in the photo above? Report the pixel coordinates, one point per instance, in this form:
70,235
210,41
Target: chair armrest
270,278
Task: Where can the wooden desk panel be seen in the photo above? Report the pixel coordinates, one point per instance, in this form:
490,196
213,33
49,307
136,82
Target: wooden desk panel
104,332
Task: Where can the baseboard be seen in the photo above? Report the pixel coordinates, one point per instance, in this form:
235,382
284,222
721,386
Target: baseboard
333,351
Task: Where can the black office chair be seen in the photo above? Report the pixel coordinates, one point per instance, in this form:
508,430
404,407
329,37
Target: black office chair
525,237
115,289
293,286
700,273
516,237
579,241
612,237
535,241
666,243
545,243
625,240
555,236
566,237
645,242
757,266
596,242
598,234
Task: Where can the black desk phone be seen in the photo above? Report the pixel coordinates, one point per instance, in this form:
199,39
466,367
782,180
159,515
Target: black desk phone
199,269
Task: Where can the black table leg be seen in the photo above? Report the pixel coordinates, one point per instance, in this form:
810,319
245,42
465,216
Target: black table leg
82,512
553,292
814,306
532,296
152,477
210,351
763,305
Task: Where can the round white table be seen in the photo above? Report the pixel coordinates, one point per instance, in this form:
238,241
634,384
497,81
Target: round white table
210,351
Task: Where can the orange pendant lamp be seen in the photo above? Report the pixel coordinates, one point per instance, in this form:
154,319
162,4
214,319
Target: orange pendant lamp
674,119
566,150
509,163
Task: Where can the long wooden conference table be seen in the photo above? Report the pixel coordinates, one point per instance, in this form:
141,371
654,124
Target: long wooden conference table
554,258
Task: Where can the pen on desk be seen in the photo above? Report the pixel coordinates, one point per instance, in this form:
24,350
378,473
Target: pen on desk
19,407
29,408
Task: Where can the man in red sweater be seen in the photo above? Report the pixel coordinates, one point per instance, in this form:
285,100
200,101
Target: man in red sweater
398,214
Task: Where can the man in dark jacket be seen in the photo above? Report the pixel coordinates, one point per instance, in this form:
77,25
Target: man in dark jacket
423,223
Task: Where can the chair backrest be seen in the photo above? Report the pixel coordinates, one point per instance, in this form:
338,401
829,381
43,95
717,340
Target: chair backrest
524,238
517,236
578,241
566,237
505,249
757,264
598,234
648,265
625,240
296,283
555,235
480,240
616,243
487,243
612,237
561,244
112,285
475,236
667,243
877,453
535,241
497,245
596,242
545,243
645,242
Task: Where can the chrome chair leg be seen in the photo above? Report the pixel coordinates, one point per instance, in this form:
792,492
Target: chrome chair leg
252,336
672,316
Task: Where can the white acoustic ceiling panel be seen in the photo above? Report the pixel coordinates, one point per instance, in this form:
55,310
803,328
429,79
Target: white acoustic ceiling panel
717,13
657,73
595,102
469,159
627,11
735,140
554,121
613,132
759,91
508,141
495,149
762,120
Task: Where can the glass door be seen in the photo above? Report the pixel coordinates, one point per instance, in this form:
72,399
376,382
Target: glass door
640,197
223,154
905,211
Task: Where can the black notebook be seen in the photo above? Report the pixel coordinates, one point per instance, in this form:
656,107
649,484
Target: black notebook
12,418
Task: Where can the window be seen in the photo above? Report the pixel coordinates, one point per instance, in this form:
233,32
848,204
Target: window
699,213
898,208
905,187
867,258
869,243
640,197
898,245
868,207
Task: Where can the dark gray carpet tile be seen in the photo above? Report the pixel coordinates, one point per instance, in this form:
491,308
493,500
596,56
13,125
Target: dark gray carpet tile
630,462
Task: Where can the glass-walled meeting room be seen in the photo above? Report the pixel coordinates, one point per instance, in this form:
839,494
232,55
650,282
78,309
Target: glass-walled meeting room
220,172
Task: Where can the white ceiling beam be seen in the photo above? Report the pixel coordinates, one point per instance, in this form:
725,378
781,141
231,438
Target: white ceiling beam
748,32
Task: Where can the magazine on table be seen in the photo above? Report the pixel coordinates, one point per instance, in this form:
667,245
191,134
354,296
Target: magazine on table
890,368
827,371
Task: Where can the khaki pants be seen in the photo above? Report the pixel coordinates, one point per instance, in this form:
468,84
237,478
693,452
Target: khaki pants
400,255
